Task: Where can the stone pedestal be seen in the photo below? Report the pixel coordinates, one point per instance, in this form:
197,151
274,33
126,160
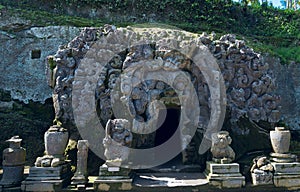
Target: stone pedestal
113,178
47,178
13,176
224,175
262,178
283,157
287,175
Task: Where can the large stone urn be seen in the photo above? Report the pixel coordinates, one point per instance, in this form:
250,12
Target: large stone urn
280,140
52,172
56,140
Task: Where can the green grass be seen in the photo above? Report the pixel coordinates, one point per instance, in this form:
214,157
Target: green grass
276,33
43,18
288,54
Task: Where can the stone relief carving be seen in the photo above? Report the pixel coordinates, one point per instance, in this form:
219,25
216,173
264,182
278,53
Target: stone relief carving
263,164
262,171
248,80
117,141
221,151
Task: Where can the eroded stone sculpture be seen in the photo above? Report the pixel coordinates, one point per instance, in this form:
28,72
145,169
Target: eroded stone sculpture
56,139
262,171
115,174
221,151
221,172
81,174
117,141
249,82
13,163
51,172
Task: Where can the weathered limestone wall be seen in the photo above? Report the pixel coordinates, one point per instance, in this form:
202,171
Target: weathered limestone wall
288,87
26,107
23,56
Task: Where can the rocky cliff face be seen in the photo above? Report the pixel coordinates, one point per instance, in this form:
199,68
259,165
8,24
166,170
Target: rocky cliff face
23,60
26,106
288,87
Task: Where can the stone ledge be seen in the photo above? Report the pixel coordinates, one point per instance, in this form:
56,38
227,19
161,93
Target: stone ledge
215,168
288,168
113,184
224,175
287,181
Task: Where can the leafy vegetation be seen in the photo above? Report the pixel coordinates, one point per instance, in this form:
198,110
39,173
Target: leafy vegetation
266,28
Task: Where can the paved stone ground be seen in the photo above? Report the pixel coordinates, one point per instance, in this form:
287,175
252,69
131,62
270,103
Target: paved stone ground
171,182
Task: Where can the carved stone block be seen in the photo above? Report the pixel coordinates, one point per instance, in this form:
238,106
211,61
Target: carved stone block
224,175
287,175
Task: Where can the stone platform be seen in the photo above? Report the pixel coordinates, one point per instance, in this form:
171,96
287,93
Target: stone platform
262,178
113,178
47,178
287,175
145,185
224,175
166,182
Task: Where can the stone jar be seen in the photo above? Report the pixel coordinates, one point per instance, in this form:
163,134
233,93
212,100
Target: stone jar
280,140
56,140
13,163
14,155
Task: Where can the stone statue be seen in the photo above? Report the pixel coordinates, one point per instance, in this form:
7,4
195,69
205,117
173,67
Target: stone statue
261,163
221,151
13,163
117,141
262,171
81,174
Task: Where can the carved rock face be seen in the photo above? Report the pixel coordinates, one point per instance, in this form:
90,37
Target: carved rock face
117,140
247,78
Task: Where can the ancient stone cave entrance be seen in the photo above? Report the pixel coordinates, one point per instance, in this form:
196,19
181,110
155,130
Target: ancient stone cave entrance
167,130
168,127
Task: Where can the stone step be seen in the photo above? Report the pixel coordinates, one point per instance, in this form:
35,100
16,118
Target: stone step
216,168
286,168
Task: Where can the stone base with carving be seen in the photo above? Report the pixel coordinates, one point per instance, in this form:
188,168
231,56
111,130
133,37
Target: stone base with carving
224,175
48,178
260,177
287,175
113,178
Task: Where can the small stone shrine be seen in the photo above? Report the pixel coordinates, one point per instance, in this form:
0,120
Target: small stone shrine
80,177
221,172
13,163
286,169
51,172
114,174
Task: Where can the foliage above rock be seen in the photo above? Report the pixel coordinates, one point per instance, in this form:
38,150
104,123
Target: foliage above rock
273,27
